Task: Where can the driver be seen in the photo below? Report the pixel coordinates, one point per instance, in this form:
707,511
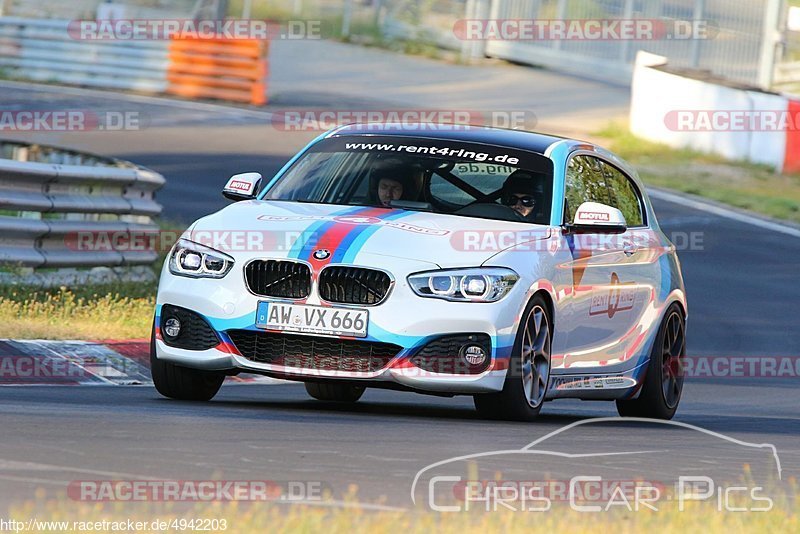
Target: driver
390,182
389,189
520,193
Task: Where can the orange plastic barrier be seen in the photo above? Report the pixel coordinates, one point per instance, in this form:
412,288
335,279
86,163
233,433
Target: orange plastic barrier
223,69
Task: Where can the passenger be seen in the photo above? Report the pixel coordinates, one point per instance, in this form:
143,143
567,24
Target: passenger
520,194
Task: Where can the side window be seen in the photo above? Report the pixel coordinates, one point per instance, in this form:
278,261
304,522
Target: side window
591,179
624,196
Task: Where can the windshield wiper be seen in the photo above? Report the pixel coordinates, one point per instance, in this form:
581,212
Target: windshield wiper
411,205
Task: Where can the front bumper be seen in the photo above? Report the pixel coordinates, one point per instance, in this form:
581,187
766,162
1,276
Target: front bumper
403,319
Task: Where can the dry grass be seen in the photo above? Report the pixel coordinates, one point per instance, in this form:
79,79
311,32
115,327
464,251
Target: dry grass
119,311
336,519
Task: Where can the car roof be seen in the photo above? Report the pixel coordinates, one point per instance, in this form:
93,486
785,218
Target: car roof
521,140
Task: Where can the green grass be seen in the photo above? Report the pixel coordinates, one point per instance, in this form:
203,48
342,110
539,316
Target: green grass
743,185
109,311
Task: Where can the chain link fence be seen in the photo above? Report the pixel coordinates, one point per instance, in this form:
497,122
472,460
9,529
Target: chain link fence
737,40
747,41
88,9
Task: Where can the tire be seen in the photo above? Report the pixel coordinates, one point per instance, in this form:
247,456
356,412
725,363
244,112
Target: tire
182,383
525,387
334,392
663,382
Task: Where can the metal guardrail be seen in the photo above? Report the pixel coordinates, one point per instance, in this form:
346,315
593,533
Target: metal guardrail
49,197
44,50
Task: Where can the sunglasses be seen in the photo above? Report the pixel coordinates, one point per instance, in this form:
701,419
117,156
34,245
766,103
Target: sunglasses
526,200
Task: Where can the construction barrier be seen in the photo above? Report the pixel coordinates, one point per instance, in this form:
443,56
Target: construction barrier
223,69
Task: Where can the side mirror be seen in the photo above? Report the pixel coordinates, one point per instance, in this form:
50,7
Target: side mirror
596,218
242,186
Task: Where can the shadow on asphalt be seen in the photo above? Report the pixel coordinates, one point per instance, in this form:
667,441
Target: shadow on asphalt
305,410
282,408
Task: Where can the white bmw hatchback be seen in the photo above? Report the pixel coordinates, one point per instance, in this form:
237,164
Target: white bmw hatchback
511,266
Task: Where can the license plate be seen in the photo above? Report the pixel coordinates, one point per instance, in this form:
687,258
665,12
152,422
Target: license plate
312,319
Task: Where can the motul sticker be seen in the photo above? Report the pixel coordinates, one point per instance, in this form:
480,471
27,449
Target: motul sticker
240,186
593,216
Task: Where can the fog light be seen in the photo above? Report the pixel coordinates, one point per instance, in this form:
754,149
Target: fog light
473,354
172,327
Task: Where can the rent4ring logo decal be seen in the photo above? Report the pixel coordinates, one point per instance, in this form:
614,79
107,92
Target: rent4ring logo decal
619,298
357,220
459,153
437,149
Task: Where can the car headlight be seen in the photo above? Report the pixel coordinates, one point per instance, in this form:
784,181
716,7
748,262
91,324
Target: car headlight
198,261
479,284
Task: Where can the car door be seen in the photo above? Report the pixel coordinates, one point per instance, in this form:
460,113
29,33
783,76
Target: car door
611,276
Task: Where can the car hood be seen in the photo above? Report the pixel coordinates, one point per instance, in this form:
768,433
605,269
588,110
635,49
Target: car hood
351,234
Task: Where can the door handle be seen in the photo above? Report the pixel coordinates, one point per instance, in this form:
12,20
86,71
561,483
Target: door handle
629,249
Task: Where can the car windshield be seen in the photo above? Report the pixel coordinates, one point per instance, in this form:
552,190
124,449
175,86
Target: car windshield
440,176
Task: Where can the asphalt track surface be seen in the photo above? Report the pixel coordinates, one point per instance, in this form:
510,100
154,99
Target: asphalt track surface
743,297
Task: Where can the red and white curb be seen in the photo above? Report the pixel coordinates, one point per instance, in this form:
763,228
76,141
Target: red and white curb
47,362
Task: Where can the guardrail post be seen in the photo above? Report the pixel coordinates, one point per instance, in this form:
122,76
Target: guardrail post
698,15
474,49
770,40
347,15
561,14
625,47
